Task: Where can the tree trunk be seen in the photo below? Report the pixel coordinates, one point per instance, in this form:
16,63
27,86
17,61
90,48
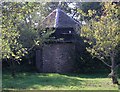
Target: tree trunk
113,73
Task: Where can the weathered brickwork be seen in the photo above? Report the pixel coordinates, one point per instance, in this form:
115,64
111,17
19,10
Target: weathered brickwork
39,62
58,57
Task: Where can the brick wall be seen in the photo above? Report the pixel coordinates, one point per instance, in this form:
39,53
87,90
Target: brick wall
58,57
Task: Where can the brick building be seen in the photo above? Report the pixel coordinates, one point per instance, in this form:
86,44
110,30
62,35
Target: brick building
58,55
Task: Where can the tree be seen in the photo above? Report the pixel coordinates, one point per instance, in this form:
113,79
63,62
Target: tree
11,49
103,35
15,14
91,6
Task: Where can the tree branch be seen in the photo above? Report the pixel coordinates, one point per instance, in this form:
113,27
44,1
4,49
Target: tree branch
102,54
106,63
31,47
74,13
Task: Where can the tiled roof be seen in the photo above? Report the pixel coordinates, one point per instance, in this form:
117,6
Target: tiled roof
59,19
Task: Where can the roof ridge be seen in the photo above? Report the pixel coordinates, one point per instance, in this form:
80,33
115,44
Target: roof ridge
58,18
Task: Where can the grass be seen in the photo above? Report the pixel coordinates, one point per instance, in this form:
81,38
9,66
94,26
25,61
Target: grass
49,81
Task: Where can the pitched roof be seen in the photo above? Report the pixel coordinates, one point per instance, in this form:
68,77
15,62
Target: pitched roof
59,19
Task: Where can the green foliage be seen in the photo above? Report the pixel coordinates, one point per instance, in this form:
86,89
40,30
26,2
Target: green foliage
103,33
18,28
27,36
10,35
50,6
85,6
